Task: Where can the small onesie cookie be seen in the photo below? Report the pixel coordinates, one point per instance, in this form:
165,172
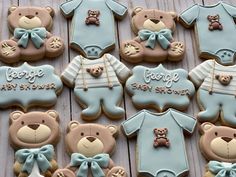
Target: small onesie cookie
160,88
218,144
31,39
216,95
160,135
97,85
26,86
33,136
154,41
90,147
93,27
214,26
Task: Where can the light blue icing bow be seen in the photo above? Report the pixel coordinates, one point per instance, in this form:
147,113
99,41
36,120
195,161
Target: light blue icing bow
94,163
42,156
163,37
37,35
222,169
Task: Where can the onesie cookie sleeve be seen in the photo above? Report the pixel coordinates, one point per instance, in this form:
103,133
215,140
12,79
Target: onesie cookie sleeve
118,9
69,75
185,121
199,73
189,16
122,71
68,7
230,9
133,124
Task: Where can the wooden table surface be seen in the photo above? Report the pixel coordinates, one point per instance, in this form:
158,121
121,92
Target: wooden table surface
70,110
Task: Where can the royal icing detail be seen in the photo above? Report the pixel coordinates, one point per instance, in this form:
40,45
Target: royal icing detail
214,22
27,86
93,17
160,88
161,137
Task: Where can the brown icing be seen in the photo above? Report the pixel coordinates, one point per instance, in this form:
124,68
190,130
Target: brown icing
214,22
93,17
161,137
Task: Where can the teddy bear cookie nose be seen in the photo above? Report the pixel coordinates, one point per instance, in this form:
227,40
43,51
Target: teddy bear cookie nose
29,16
91,139
155,21
227,139
33,126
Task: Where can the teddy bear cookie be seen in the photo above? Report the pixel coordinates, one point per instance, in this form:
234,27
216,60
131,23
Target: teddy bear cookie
31,39
154,42
33,135
214,25
90,146
26,86
218,144
97,85
93,29
216,92
160,88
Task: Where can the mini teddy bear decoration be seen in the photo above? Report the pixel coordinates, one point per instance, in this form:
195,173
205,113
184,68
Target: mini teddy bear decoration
95,71
214,22
218,144
154,41
90,146
31,37
161,137
33,135
224,79
93,17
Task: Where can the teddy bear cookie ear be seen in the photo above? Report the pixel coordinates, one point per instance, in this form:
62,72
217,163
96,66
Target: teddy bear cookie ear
72,125
50,10
206,127
11,9
174,15
113,129
53,114
15,115
136,10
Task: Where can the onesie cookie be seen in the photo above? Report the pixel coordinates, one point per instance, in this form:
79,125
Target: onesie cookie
214,26
97,85
31,39
160,88
93,26
160,135
90,147
26,86
216,95
218,144
154,42
33,136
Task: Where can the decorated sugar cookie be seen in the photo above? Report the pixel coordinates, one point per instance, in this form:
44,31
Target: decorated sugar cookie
97,85
160,88
214,26
31,39
160,135
154,42
93,26
90,147
216,95
27,86
33,136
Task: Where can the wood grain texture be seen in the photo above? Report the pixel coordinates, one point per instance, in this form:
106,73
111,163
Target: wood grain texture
69,109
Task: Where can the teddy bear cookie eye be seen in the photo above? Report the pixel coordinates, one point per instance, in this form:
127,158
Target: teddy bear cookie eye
145,16
43,121
22,122
82,134
19,14
97,133
234,135
161,17
216,133
36,13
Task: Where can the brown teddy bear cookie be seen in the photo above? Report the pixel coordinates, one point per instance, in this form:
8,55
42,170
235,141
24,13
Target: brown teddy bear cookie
218,144
33,135
154,41
91,146
31,37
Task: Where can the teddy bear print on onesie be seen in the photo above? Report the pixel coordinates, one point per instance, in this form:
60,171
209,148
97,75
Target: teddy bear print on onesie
160,135
93,26
216,95
31,37
218,144
90,147
154,42
33,136
97,85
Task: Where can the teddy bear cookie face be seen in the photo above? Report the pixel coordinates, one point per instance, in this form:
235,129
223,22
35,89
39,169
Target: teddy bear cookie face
34,129
30,17
95,71
218,142
90,139
224,79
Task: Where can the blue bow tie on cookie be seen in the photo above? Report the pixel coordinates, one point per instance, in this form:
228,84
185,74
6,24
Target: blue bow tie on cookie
94,163
41,156
222,169
37,36
163,37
